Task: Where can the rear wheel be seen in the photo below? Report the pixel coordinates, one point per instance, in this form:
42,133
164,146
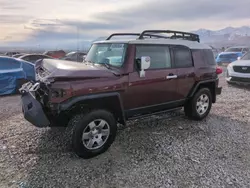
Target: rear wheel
93,133
199,106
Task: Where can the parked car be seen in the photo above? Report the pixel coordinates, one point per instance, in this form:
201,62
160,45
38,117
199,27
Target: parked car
242,49
74,56
239,71
14,73
18,55
114,84
55,54
224,58
34,57
10,54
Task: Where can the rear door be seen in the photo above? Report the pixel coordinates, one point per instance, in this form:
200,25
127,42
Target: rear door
159,85
183,62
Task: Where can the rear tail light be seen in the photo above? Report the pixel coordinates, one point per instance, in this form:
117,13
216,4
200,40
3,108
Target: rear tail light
219,70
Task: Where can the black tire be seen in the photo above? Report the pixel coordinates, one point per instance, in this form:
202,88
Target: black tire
81,121
190,107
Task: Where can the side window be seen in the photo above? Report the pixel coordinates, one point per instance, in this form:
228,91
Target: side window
159,55
35,57
182,57
245,50
209,57
27,58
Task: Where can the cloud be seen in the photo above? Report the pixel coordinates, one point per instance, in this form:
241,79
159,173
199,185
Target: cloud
179,11
11,5
51,36
13,19
51,21
81,25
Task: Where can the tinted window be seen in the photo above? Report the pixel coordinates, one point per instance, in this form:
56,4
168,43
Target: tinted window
9,64
182,57
159,55
246,50
209,57
32,58
233,50
42,57
246,56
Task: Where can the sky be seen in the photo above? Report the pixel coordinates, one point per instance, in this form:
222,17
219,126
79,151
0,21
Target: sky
54,22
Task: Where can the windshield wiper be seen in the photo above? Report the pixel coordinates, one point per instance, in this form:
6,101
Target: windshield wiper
107,65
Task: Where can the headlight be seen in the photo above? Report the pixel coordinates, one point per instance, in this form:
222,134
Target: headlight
230,66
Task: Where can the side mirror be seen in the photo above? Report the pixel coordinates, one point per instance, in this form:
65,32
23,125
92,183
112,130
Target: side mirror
238,58
145,64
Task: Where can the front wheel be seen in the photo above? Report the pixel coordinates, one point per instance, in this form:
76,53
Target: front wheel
199,105
93,133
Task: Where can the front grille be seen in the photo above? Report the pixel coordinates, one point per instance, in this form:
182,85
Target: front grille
241,69
237,79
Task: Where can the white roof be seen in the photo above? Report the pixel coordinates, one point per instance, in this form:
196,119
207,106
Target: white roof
187,43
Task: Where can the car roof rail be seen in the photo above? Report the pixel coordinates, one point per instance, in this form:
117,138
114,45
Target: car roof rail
135,34
176,35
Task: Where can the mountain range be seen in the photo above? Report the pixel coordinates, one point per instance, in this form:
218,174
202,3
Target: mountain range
228,36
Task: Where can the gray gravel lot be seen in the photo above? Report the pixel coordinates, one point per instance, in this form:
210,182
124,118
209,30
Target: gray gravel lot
158,153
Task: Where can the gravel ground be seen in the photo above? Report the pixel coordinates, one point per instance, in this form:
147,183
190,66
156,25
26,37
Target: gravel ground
172,152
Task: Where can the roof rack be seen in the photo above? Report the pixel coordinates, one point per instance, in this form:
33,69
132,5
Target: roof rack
176,34
135,34
122,34
156,33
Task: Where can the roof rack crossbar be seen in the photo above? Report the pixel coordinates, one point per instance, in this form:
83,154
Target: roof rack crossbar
135,34
176,34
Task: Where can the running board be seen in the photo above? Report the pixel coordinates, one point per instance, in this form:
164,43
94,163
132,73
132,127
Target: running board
175,112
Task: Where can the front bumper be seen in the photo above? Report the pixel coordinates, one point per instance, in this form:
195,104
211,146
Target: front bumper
238,80
33,110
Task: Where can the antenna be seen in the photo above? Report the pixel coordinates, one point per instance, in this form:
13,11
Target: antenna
77,48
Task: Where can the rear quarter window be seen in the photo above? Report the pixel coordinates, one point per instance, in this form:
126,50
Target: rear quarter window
209,57
182,57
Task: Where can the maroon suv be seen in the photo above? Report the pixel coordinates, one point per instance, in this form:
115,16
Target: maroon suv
160,70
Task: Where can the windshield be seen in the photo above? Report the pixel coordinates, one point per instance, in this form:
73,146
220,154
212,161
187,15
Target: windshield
233,50
246,56
107,53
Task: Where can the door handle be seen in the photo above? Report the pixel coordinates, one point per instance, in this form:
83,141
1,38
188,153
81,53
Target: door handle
171,76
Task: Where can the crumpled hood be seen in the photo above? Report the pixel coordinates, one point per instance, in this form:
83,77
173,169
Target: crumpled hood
241,63
55,68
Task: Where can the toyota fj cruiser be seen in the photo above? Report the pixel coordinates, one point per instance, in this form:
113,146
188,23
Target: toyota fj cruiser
161,70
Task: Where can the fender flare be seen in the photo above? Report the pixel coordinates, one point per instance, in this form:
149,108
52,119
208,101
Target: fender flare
196,86
74,100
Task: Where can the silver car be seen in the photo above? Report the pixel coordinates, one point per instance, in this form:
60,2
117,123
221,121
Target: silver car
239,71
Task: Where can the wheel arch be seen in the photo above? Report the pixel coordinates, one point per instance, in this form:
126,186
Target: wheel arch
210,84
107,101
